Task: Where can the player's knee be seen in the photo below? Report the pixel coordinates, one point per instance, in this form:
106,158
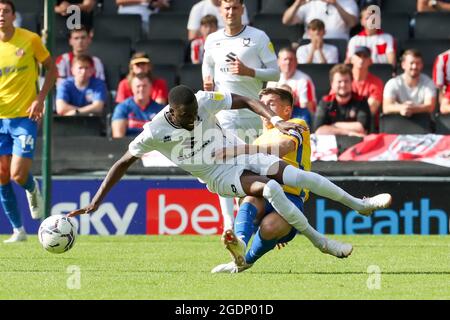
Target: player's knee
272,227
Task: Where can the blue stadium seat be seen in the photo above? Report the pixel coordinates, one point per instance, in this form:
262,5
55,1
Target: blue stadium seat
163,51
419,123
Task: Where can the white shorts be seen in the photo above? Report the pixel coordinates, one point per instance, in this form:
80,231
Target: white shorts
226,180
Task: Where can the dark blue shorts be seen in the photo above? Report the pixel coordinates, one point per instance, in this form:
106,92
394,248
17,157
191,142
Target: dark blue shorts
18,137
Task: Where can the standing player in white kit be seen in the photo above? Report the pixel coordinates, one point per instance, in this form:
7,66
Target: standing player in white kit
238,59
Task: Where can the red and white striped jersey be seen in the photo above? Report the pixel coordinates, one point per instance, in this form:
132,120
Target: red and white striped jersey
197,50
441,69
380,44
302,87
64,66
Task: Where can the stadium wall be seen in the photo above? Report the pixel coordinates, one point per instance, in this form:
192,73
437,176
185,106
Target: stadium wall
182,205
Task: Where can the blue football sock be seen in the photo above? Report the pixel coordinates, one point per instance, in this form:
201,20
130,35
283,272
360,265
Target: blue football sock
259,248
29,185
9,203
243,224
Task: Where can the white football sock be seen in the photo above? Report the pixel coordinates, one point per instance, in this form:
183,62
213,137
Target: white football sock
321,186
274,193
227,209
314,236
19,230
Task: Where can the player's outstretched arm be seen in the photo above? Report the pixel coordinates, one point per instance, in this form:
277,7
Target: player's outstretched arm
114,175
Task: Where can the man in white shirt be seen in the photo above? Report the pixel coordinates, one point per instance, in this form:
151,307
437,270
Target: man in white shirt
381,45
301,85
339,16
186,131
411,92
238,59
317,51
203,8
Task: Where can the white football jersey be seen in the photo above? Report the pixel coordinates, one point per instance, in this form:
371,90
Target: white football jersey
190,150
252,47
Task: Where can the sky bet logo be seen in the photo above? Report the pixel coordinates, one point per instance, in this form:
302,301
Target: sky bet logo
385,221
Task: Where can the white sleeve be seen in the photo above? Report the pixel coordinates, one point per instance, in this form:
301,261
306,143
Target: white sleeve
350,7
214,102
194,18
332,54
351,47
390,89
390,44
270,73
245,20
208,62
430,89
438,71
142,144
301,13
302,54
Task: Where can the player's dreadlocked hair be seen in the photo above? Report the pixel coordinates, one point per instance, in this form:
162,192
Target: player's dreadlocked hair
181,96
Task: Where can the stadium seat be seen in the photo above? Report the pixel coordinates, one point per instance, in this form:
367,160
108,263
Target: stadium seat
180,6
168,26
442,123
170,51
396,24
341,44
60,29
280,43
30,21
399,6
430,49
65,126
272,25
384,71
108,7
34,6
274,6
419,123
320,75
118,26
191,75
432,25
166,71
252,7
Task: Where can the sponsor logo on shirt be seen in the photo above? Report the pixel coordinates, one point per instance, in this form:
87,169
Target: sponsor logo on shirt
20,52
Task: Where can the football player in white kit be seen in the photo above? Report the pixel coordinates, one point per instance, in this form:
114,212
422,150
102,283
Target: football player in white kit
238,59
186,131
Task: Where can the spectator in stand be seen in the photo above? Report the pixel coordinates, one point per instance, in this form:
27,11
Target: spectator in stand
411,92
86,6
144,8
342,112
203,8
140,63
317,51
365,84
79,40
339,16
208,25
382,45
300,84
130,116
433,5
441,78
81,94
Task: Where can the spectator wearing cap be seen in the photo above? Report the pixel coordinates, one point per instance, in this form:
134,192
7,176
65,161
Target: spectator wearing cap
203,8
342,112
82,93
411,92
441,78
79,40
317,51
130,116
365,84
140,63
339,16
300,84
382,45
433,5
208,25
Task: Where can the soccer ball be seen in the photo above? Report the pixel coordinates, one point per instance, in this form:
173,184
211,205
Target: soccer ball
57,233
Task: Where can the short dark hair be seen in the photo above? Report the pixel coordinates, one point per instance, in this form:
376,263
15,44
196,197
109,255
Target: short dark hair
241,1
412,52
84,58
10,3
82,28
287,49
341,69
209,19
316,24
142,76
181,96
284,95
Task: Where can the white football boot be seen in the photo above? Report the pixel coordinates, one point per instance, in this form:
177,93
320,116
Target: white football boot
371,204
17,236
336,248
231,267
35,202
235,245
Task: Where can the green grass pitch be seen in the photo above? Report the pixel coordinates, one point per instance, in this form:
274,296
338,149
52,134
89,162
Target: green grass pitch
178,267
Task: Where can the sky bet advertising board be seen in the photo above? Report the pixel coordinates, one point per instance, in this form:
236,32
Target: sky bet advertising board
185,206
